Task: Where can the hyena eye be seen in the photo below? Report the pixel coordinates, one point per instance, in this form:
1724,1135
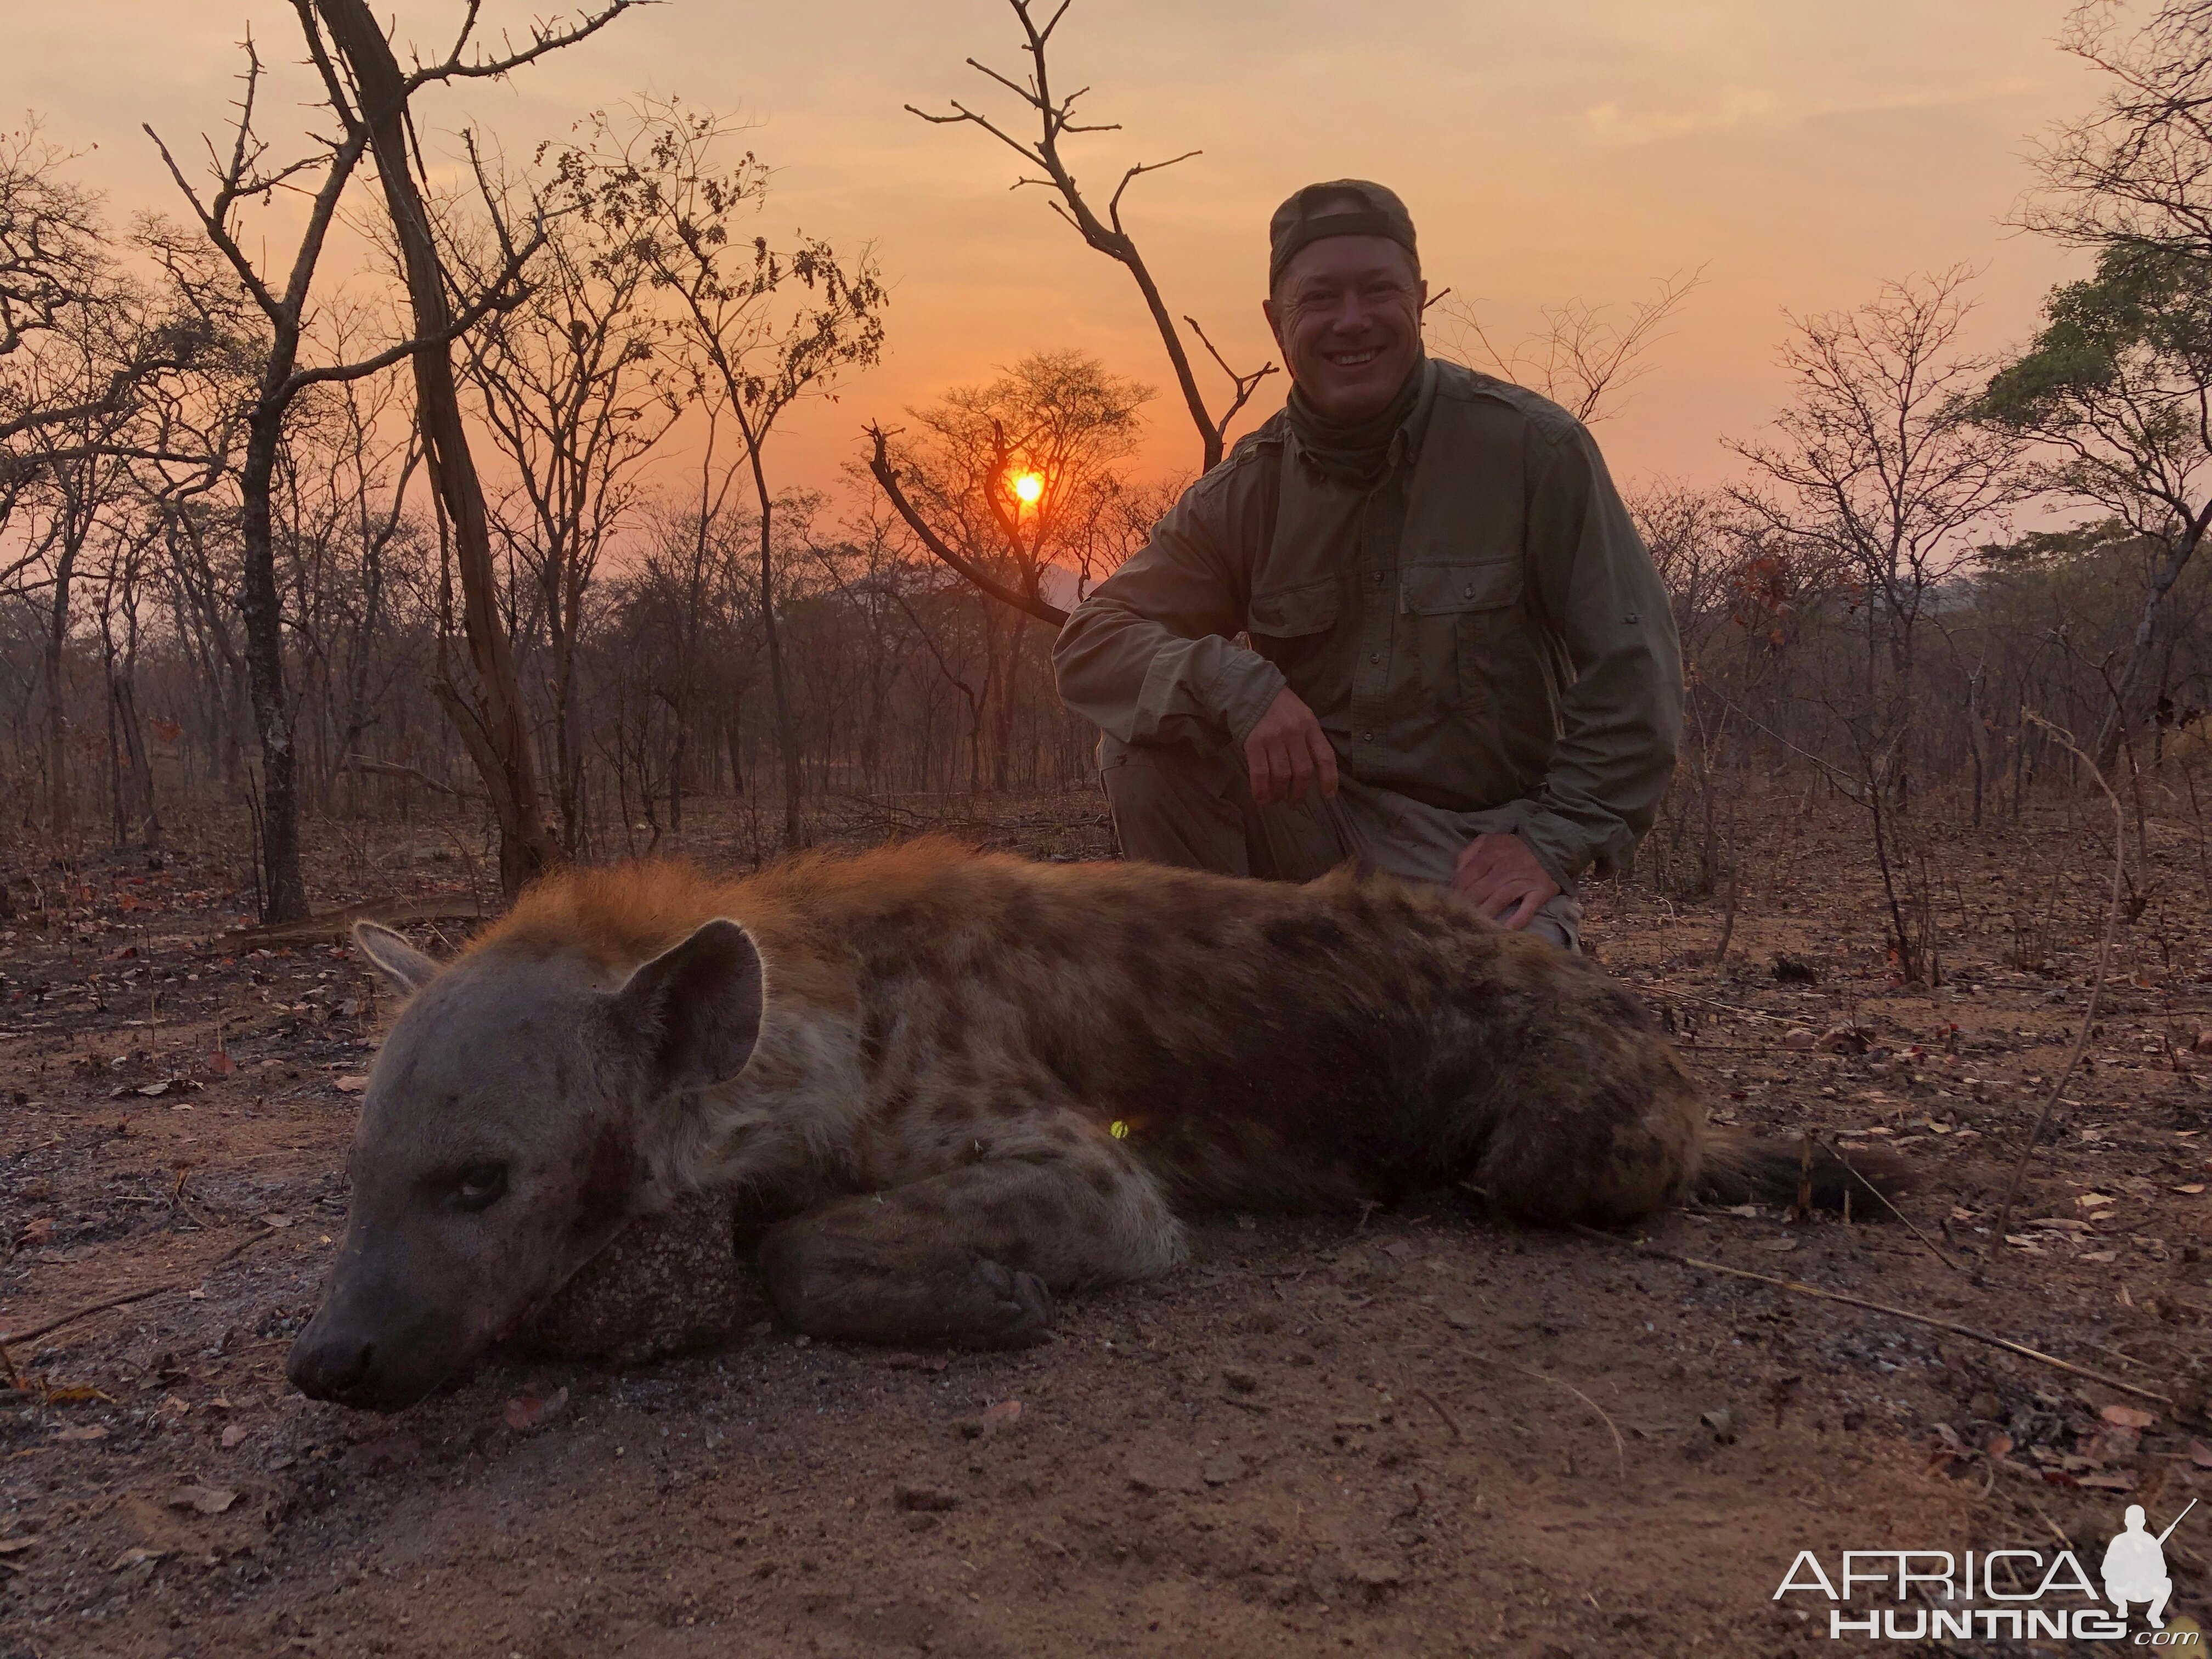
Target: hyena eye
480,1186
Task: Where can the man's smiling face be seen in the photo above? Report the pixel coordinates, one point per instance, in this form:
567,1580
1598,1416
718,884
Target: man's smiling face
1346,313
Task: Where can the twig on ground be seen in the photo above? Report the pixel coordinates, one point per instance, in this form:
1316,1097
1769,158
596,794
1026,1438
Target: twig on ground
177,1200
1619,1446
1837,1152
1956,1330
2065,740
1436,1406
2056,1531
124,1300
1730,1007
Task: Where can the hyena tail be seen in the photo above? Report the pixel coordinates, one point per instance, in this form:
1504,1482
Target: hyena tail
1739,1168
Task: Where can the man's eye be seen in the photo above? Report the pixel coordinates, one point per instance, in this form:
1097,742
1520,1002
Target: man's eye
481,1186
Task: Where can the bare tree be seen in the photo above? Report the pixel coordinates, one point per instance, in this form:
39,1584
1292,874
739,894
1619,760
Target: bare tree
576,392
1876,466
242,174
492,722
339,506
577,388
2137,172
1584,358
1056,119
78,476
58,288
766,328
51,255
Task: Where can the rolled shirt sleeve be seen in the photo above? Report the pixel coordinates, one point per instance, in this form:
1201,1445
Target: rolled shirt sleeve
1620,714
1148,656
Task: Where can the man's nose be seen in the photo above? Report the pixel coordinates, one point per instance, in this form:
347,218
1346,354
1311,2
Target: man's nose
1353,316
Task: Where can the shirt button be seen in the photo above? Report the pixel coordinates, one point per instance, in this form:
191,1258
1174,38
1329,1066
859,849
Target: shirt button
1469,592
1376,579
1631,616
1367,737
1374,656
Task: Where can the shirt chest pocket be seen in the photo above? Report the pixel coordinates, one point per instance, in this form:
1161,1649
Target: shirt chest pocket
1466,621
1296,629
1292,613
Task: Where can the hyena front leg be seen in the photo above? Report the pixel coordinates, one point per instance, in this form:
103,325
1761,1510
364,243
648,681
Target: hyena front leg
970,1257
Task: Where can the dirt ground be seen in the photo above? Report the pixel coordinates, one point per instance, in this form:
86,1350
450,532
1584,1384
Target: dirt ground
1417,1432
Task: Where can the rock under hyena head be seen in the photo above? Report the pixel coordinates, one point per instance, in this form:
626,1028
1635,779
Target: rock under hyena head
941,1087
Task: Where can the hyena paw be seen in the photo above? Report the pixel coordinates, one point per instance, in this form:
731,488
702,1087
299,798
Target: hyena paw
1017,1307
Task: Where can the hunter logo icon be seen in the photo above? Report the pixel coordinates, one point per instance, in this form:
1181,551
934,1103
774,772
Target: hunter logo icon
2135,1566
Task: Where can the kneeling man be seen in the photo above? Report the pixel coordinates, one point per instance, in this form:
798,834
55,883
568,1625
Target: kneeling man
1463,668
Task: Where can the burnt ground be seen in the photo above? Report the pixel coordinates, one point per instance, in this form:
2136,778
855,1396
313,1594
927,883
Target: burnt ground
1417,1432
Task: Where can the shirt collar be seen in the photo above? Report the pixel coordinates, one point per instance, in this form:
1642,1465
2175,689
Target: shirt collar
1405,444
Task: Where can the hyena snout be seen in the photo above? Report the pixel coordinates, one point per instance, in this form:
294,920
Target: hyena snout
370,1360
337,1371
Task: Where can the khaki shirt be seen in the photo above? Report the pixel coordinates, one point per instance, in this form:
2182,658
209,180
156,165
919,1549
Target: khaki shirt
1481,629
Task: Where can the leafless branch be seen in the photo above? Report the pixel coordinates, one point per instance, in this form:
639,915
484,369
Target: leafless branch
1056,119
887,479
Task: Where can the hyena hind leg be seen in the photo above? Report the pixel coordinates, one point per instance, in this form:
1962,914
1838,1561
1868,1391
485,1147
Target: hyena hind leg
1600,1151
971,1258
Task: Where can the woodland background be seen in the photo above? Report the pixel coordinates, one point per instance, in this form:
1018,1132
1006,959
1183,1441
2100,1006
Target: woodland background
490,530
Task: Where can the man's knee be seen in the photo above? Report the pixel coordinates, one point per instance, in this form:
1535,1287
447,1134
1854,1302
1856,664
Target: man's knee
1172,804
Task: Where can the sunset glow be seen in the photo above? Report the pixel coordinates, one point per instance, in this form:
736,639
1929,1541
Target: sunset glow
1790,153
1029,488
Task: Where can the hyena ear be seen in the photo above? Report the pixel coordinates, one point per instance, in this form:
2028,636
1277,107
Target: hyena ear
402,967
695,1008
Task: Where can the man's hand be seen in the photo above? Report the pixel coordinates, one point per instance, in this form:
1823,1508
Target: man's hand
1504,878
1287,752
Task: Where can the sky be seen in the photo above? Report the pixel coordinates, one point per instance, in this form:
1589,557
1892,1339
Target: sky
1799,154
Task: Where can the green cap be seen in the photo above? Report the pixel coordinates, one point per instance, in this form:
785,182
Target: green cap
1342,207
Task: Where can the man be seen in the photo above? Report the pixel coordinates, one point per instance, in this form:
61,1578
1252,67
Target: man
1463,667
2135,1569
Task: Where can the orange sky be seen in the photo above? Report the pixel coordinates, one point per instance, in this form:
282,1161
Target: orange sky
1801,152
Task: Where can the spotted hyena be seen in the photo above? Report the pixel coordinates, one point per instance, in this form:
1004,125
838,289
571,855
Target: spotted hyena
958,1084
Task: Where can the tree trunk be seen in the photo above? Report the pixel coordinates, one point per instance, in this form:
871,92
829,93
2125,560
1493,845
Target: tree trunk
787,723
2139,688
59,818
500,743
284,894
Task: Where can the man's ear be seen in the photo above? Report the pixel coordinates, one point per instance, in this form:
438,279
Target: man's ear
404,969
695,1008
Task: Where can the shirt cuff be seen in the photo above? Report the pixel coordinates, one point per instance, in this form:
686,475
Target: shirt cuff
1565,848
1243,691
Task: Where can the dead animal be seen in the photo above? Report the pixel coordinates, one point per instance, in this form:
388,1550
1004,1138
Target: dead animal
954,1086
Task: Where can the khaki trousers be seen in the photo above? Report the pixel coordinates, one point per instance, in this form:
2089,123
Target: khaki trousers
1191,806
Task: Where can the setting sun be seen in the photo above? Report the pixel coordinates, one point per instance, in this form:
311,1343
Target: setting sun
1030,487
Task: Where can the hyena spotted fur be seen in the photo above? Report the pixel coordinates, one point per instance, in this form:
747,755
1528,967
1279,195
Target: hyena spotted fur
957,1085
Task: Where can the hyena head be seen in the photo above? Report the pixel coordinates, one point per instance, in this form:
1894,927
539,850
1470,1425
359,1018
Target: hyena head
524,1107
